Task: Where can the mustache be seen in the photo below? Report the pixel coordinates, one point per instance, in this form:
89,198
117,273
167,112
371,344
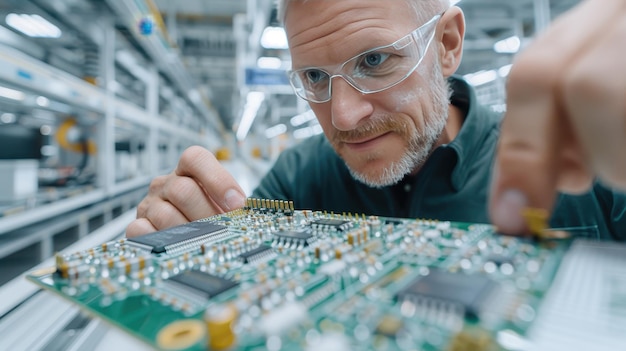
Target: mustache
374,127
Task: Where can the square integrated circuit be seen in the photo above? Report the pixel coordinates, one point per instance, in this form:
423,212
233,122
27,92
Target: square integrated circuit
201,283
471,291
168,239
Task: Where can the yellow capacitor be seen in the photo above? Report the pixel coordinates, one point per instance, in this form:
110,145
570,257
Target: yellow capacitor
63,270
180,334
219,321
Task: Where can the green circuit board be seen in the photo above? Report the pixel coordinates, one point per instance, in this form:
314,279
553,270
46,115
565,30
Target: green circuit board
270,277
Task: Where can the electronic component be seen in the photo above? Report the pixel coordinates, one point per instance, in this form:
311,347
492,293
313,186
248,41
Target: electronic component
295,238
393,221
182,236
201,283
469,291
181,334
338,224
259,253
389,326
219,323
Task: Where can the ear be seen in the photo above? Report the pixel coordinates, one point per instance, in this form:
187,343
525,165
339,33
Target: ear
450,34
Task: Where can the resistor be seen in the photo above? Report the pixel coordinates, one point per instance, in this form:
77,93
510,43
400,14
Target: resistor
374,224
358,237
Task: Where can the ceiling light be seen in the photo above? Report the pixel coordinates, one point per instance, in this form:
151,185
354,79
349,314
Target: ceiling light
194,95
307,132
45,129
481,77
275,131
33,25
302,118
274,38
509,45
42,101
11,94
254,99
8,118
269,62
504,70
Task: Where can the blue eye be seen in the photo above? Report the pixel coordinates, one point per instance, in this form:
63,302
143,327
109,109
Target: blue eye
375,59
314,76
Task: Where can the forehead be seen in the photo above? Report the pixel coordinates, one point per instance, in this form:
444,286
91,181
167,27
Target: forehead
325,32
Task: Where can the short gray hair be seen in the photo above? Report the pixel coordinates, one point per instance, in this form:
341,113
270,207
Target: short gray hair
424,9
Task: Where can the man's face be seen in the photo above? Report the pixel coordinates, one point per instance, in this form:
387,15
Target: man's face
381,136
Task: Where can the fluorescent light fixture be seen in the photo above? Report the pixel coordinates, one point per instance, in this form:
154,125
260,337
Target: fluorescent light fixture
275,131
8,118
33,25
504,70
509,45
45,129
269,62
114,86
194,95
42,101
481,77
302,118
254,99
274,38
307,132
11,94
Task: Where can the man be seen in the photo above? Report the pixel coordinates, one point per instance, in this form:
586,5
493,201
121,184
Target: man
402,137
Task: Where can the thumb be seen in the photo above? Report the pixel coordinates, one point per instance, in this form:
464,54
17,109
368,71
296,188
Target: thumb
525,173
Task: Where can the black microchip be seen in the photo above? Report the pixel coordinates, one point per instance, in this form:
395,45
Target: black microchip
393,221
292,235
469,290
253,254
339,224
159,241
202,283
294,238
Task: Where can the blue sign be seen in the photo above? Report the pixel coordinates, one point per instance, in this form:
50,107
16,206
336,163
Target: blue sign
266,76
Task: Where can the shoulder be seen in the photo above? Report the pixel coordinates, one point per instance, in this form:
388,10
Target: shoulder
463,96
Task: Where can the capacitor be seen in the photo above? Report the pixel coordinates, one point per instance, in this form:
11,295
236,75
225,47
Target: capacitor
219,321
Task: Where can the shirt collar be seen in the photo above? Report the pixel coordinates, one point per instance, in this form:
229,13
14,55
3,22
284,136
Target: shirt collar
474,130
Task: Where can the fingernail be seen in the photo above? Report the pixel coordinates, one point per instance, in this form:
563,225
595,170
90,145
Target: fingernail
233,200
507,212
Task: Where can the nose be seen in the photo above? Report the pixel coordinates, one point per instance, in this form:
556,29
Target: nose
348,105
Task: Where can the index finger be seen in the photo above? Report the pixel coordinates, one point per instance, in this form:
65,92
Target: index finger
530,161
219,185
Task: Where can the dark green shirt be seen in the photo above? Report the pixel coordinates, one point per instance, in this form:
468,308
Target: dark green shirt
452,185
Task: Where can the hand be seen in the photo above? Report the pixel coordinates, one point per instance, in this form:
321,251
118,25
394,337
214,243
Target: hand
198,188
566,114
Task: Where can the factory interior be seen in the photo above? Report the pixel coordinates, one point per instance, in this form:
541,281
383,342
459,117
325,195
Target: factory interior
99,97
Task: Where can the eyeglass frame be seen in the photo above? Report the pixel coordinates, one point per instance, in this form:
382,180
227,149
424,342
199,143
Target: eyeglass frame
415,36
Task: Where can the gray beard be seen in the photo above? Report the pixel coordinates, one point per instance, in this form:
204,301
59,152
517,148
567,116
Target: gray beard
420,144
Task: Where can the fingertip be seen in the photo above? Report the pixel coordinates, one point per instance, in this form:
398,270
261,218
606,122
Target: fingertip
140,226
234,199
506,211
